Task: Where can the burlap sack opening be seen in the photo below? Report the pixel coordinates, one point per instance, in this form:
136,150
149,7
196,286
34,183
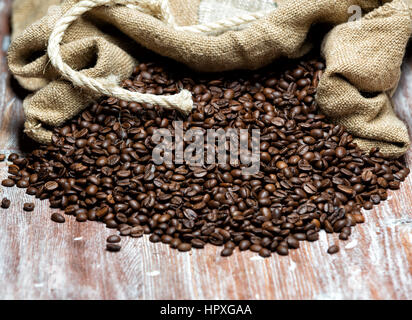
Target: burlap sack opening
360,58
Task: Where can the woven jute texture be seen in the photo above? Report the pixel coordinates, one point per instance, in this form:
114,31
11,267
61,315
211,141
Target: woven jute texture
363,57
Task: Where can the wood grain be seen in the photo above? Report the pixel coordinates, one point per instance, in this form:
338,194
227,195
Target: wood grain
40,259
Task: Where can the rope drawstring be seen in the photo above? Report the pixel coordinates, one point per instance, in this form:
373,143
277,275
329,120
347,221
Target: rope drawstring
110,87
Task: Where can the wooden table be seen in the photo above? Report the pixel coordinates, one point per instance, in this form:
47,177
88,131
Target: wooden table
40,259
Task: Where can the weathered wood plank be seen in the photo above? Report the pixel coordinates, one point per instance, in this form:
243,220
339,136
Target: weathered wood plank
40,259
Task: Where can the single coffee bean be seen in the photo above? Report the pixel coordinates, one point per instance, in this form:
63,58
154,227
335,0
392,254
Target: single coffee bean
359,218
57,217
81,216
31,191
368,205
28,206
244,245
175,243
101,161
8,183
23,183
338,225
394,185
166,239
91,190
292,242
264,253
375,198
137,232
226,252
282,250
340,152
13,156
184,247
333,249
343,236
154,238
51,185
255,248
113,238
5,203
113,247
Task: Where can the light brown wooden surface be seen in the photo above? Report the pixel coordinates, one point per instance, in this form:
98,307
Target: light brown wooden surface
40,259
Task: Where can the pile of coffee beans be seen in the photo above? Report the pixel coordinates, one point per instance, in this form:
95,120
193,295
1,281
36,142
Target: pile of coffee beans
312,176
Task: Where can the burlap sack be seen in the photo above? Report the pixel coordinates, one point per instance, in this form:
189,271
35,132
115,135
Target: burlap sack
363,59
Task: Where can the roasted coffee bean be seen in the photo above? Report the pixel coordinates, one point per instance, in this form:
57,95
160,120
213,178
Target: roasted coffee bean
375,198
51,185
368,205
394,185
166,239
8,183
113,239
137,232
255,248
340,152
338,225
312,175
5,203
175,243
31,191
292,242
184,247
13,156
244,245
265,252
333,249
345,189
343,236
282,250
113,247
57,217
23,183
81,216
91,190
154,238
359,218
28,206
226,252
197,243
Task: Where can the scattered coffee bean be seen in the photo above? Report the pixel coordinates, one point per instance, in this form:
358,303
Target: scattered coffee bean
154,238
333,249
8,183
23,183
13,156
28,206
113,247
81,216
5,203
57,217
282,250
359,218
312,175
226,252
264,253
184,246
244,245
113,239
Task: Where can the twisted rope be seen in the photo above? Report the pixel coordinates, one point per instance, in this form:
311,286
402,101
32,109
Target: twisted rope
109,86
224,25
